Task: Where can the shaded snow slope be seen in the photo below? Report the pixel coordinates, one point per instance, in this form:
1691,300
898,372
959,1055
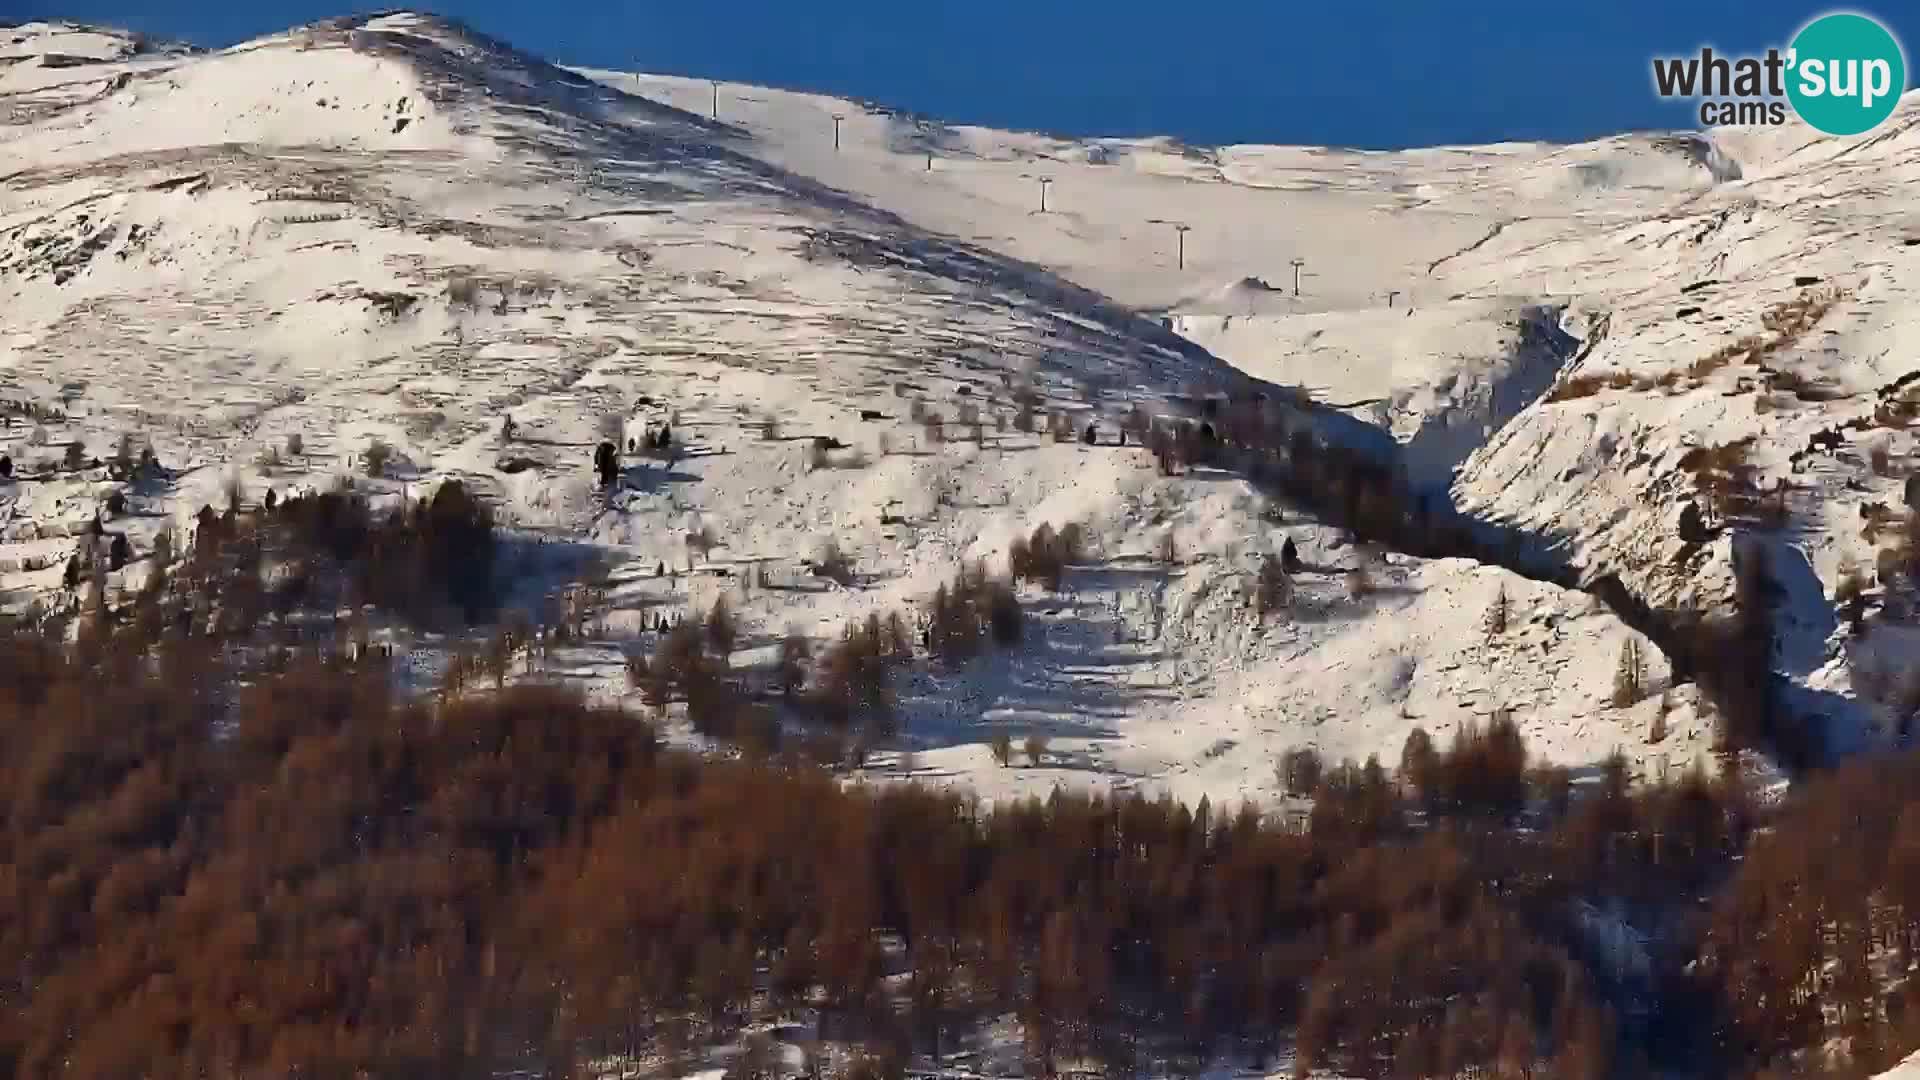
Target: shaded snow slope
1441,379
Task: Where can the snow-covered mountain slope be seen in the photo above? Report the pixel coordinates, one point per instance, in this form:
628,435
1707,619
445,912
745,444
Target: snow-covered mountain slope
45,67
1447,294
1375,235
396,229
1364,223
392,229
1759,314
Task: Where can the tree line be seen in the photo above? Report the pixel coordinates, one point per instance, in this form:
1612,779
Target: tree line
218,864
226,851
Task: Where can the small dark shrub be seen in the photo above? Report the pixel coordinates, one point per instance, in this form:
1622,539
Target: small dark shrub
833,564
1036,748
1273,588
970,612
1045,555
1300,770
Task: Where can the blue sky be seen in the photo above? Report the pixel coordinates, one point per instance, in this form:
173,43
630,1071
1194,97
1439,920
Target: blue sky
1368,73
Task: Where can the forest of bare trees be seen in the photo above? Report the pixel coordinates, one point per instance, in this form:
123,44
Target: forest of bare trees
308,873
233,850
217,868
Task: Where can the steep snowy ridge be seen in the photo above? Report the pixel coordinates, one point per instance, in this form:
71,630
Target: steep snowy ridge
1695,356
448,100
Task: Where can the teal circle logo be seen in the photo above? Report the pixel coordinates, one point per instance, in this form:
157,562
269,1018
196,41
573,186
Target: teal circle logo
1846,74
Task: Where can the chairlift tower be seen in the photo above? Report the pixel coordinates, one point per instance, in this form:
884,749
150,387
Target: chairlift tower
1180,229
